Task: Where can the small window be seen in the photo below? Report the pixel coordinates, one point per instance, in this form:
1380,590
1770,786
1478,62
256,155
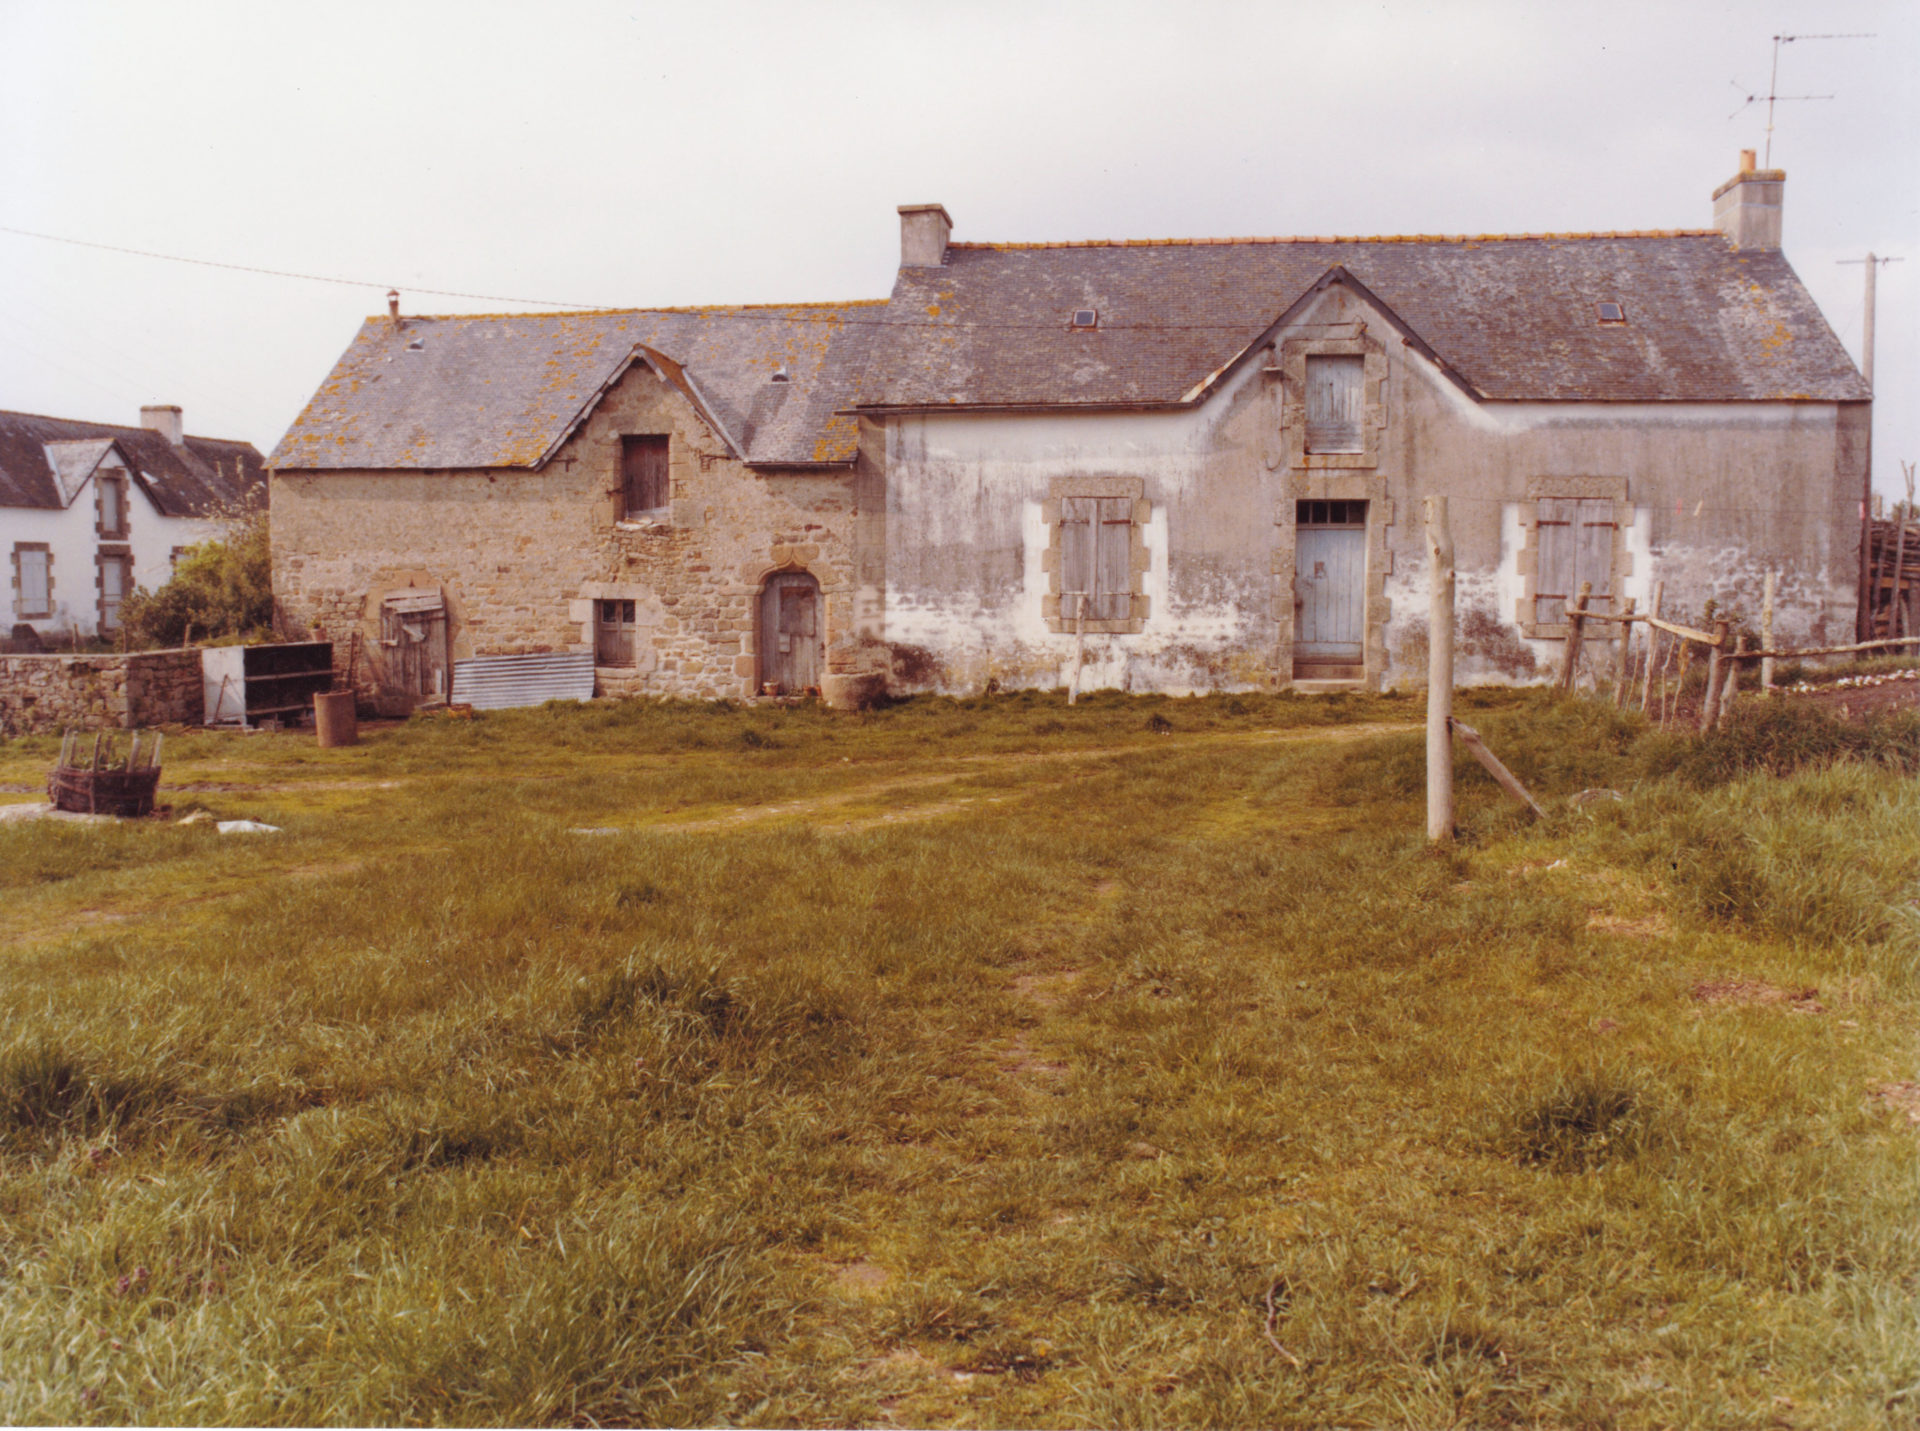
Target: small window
614,624
1096,559
1611,312
643,472
1336,388
110,505
1086,318
115,581
1330,514
32,581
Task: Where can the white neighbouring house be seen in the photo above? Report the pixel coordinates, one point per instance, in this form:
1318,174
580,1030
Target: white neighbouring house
89,511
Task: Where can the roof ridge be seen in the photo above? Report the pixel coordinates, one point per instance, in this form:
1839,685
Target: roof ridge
1348,238
130,429
629,312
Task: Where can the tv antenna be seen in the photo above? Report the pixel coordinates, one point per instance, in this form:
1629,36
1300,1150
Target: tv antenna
1773,95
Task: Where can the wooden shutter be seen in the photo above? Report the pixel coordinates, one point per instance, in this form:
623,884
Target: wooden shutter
1336,387
643,472
1113,565
1576,539
1079,516
1556,528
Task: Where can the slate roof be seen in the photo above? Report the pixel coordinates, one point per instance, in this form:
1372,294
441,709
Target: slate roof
44,460
1513,317
506,390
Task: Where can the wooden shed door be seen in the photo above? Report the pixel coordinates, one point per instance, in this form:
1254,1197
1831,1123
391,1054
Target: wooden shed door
413,632
790,654
1330,583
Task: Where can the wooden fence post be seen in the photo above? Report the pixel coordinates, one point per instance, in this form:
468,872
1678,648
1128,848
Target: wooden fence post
1439,672
1623,664
1733,681
1653,648
1766,635
1710,702
1576,622
1079,647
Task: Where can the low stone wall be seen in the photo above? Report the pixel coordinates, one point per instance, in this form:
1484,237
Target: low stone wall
107,692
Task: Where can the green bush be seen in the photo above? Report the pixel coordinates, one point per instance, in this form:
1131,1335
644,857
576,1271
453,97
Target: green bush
218,588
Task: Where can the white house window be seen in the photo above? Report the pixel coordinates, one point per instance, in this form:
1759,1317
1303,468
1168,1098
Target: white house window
111,504
115,580
1336,405
32,581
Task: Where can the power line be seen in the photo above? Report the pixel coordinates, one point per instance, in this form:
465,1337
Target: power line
283,273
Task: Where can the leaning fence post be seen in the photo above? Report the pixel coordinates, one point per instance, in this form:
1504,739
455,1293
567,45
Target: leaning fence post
1710,702
1079,647
1766,635
1576,623
1439,672
1623,666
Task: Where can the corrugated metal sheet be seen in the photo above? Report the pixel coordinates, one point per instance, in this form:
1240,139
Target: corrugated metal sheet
492,683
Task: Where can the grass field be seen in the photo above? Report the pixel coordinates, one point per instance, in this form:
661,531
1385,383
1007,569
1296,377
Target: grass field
981,1063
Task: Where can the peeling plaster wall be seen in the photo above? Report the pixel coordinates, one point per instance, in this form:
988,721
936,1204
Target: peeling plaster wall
1717,494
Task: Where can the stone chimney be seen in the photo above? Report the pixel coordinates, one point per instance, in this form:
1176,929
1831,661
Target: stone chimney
1747,207
923,235
166,422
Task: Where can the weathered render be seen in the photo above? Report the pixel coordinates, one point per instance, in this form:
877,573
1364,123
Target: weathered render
1188,465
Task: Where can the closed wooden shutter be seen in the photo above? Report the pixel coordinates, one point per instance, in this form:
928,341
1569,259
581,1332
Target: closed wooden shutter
643,470
1078,519
35,597
1336,386
1096,558
1575,545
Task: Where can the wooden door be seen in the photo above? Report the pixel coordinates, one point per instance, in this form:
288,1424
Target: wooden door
1330,583
790,635
413,633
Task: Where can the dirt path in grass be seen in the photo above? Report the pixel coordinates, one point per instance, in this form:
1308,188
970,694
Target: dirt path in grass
967,765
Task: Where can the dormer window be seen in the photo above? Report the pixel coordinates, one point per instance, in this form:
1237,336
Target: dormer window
1611,312
1085,318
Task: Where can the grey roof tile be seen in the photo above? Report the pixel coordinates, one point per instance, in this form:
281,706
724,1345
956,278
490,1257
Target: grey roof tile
200,478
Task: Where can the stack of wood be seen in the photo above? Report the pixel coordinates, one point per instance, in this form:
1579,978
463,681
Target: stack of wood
1893,577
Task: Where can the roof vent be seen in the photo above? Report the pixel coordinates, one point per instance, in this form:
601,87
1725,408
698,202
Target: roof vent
418,345
779,374
1085,318
1611,312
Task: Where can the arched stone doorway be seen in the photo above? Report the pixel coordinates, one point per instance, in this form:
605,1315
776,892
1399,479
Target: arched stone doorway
789,636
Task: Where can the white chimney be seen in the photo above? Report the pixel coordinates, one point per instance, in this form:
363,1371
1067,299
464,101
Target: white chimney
165,421
1747,207
923,235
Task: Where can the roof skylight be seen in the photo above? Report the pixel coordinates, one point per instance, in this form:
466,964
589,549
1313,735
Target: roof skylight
1611,312
1085,318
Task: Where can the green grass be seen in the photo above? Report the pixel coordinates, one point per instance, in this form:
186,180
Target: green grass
983,1062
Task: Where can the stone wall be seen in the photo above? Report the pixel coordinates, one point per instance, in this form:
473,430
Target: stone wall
107,692
522,556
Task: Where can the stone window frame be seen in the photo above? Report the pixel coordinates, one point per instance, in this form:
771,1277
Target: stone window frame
117,478
102,558
1568,489
20,612
1294,353
1132,489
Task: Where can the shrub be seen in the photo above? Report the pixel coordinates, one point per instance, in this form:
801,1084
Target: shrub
219,588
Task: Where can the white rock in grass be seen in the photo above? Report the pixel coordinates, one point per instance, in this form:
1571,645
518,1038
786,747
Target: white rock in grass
246,827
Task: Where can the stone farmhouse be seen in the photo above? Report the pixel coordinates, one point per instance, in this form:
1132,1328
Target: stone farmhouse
1201,460
89,511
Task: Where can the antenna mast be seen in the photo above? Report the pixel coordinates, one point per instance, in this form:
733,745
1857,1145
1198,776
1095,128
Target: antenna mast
1773,95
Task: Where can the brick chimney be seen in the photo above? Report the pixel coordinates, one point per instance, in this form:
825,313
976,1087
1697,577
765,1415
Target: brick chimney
1747,207
166,422
923,235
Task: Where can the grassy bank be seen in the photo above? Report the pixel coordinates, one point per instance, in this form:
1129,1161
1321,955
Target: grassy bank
965,1063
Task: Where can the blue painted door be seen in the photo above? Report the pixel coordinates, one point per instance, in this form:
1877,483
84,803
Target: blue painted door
1330,584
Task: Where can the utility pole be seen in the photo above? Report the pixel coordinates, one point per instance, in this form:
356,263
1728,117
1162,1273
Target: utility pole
1863,617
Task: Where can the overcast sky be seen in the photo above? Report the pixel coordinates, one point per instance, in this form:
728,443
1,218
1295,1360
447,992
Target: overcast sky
640,154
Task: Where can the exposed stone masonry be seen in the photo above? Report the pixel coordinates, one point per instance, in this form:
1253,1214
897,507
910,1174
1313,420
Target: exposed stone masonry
105,692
